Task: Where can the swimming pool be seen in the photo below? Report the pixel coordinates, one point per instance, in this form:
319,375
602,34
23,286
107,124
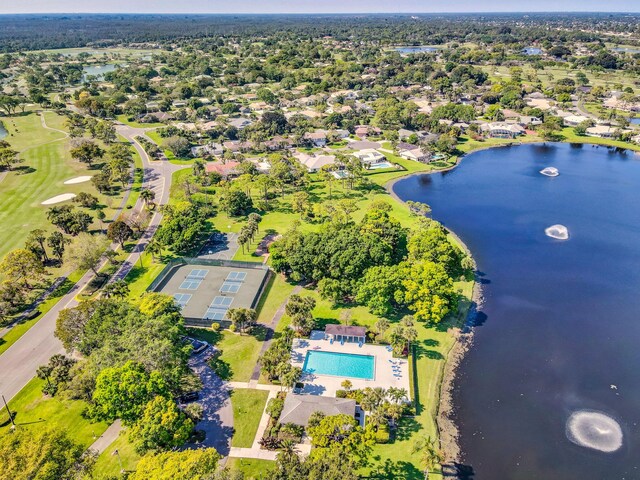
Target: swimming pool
373,166
339,364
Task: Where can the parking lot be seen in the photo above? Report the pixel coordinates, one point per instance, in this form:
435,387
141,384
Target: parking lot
206,292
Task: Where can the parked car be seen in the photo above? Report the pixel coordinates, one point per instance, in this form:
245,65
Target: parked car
189,397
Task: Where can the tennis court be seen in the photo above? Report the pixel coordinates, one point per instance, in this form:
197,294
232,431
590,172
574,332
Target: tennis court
206,292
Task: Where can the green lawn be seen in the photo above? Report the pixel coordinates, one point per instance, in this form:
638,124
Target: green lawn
47,164
239,352
108,465
253,469
125,119
248,405
33,410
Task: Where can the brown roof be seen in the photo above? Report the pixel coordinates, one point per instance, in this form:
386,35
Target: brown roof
349,331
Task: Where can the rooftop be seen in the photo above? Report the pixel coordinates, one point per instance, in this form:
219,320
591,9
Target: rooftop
349,331
298,408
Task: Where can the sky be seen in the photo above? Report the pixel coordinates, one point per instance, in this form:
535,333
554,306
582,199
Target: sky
311,6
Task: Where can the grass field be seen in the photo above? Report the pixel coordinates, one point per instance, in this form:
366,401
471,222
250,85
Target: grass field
253,469
239,352
108,465
47,164
248,405
32,410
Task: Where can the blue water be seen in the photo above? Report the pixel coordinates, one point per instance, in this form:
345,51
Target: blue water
416,49
635,121
339,364
532,51
560,322
3,131
97,70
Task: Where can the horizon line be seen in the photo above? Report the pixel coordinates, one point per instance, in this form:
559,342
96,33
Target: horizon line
329,13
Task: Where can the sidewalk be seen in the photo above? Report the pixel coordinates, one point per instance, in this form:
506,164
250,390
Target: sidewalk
107,438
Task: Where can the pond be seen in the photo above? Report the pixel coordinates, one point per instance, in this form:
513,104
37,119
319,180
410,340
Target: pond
97,70
627,49
635,121
418,49
556,338
3,131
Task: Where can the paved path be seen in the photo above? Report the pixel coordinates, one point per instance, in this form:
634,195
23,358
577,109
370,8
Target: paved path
107,438
19,363
255,375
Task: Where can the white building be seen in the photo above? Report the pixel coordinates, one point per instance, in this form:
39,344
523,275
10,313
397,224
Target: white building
369,155
574,120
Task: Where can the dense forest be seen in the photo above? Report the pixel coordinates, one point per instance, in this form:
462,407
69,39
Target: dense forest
32,32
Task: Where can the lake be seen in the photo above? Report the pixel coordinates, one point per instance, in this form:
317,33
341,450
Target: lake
420,49
559,329
97,70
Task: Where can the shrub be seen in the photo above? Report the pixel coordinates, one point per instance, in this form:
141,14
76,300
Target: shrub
341,394
215,327
382,435
274,407
315,418
232,328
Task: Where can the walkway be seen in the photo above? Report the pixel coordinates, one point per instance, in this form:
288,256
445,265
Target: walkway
107,438
255,375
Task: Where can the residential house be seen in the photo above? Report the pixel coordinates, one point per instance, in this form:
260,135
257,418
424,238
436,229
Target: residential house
502,129
239,122
602,131
278,143
416,154
314,163
298,409
208,149
369,156
226,170
317,138
574,120
364,131
236,146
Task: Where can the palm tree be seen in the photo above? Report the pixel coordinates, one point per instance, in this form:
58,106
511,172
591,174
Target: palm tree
287,451
154,248
377,418
430,454
147,196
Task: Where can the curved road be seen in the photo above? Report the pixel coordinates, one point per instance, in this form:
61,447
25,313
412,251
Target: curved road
19,363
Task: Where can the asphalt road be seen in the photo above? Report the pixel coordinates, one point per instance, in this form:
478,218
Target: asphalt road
19,363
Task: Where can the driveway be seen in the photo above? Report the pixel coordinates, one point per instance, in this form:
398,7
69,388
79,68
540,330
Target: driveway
220,246
217,420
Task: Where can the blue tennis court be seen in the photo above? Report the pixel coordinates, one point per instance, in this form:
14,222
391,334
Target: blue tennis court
197,274
230,287
236,277
190,284
182,299
224,302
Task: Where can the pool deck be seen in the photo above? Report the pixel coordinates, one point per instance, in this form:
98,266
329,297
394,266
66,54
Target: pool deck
327,385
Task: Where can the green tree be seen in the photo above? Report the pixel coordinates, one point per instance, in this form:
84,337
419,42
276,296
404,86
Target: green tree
119,231
85,252
199,464
242,318
22,267
86,152
162,426
42,454
430,455
429,291
236,203
123,392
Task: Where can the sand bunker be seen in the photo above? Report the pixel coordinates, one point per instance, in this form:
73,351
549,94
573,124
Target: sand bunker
559,232
59,198
550,172
73,181
594,430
